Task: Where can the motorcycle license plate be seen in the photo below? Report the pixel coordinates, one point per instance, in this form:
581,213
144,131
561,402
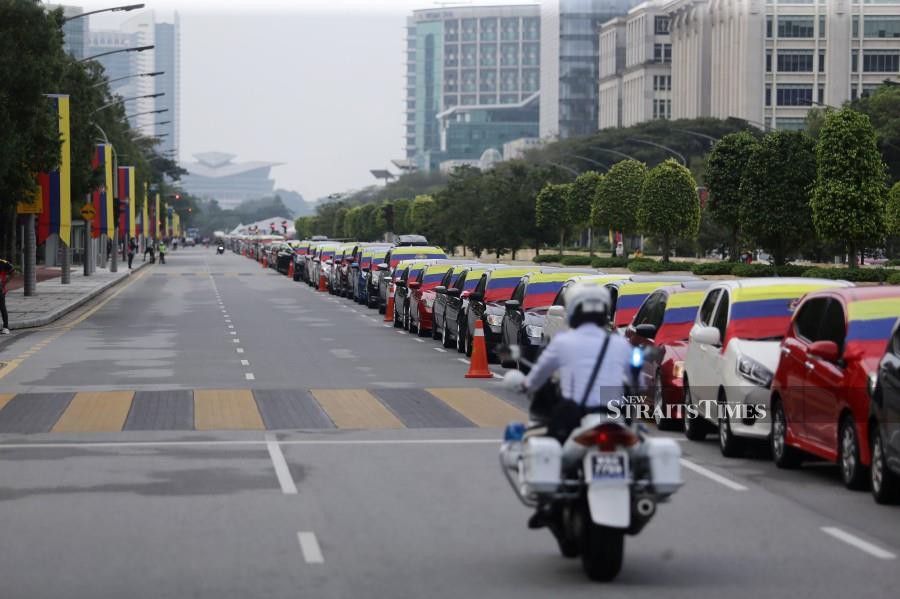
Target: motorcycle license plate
609,466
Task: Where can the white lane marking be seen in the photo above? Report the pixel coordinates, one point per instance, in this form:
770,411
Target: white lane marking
239,350
712,475
388,326
236,340
114,444
312,554
420,340
232,332
402,332
463,360
873,550
231,326
245,362
280,465
249,376
440,349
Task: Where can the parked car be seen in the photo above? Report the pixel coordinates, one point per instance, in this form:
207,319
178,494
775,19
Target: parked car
555,321
385,273
487,301
823,385
406,272
284,256
733,353
322,262
342,258
301,251
422,296
884,425
368,269
359,268
523,318
664,321
456,301
439,308
628,294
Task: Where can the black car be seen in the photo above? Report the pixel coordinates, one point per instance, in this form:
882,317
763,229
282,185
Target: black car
494,287
884,426
449,317
284,254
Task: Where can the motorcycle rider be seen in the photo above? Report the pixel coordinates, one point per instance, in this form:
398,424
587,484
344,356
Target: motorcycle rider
592,362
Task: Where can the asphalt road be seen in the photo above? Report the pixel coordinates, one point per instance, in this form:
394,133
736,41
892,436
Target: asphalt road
139,458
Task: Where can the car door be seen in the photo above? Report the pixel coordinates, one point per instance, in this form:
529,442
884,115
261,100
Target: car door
476,306
890,396
513,319
825,383
454,303
697,362
792,365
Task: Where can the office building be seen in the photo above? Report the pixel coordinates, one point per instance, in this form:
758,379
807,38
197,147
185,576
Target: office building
215,175
75,31
769,62
472,77
168,59
570,57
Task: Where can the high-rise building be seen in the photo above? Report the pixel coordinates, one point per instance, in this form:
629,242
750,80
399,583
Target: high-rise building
636,67
168,59
770,62
472,77
570,62
75,31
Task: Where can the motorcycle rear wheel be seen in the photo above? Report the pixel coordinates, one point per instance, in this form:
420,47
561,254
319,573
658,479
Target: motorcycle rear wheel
603,552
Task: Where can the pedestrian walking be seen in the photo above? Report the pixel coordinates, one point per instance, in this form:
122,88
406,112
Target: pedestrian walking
162,252
6,273
132,248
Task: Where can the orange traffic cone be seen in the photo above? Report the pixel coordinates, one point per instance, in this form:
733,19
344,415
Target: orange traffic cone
389,310
291,269
323,286
478,367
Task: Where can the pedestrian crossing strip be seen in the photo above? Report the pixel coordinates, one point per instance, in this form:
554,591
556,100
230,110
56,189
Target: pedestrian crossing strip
256,409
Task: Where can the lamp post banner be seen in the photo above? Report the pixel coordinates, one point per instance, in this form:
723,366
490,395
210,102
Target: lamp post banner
102,197
55,187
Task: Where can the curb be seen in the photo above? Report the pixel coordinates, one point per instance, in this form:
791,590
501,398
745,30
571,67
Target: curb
30,323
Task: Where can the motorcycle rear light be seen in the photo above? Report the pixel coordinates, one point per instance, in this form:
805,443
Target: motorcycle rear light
607,437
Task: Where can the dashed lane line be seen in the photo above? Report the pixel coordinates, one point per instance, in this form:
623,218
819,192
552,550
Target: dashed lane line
855,541
725,482
309,546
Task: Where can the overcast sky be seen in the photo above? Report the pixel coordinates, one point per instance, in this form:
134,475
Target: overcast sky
315,84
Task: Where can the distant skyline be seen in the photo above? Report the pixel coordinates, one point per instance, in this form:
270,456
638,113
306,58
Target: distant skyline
315,84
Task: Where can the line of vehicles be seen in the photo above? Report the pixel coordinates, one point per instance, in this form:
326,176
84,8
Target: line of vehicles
808,367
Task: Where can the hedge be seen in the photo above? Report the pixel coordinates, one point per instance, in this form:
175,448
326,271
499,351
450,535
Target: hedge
712,268
576,260
894,279
856,275
600,262
547,258
894,262
654,266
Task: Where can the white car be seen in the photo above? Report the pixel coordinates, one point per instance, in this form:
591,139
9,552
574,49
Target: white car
556,322
733,353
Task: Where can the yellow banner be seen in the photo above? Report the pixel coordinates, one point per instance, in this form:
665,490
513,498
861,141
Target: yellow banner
156,216
132,198
108,183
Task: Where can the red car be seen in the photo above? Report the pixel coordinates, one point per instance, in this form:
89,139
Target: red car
421,297
664,321
824,380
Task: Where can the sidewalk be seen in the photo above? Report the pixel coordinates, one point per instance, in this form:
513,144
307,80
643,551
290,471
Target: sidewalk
54,300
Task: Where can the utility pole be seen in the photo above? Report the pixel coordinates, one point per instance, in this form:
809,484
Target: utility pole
29,263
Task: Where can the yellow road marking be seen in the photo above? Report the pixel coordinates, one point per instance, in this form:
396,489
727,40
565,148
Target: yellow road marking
355,408
218,409
4,398
95,411
479,406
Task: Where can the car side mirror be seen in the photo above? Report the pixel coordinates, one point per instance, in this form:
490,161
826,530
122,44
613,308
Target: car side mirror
647,331
414,285
452,292
440,289
706,336
556,311
512,305
825,350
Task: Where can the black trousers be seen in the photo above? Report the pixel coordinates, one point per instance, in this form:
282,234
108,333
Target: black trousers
3,311
130,258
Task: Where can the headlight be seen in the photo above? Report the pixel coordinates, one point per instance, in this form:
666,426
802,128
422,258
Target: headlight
429,302
495,320
678,369
754,372
873,380
533,330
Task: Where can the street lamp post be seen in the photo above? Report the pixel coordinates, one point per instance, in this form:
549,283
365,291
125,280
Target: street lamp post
123,100
125,8
666,148
129,116
107,81
614,152
120,50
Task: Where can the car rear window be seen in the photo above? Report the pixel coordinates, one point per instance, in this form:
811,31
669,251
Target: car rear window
416,254
541,293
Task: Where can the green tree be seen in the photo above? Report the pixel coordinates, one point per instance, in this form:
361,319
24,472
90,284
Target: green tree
849,196
724,173
669,206
422,215
618,197
892,216
778,179
402,225
552,210
581,201
882,105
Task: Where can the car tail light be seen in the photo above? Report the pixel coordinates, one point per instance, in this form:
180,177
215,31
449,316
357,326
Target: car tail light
607,437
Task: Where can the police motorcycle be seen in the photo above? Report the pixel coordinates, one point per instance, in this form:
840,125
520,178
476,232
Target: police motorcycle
603,483
220,249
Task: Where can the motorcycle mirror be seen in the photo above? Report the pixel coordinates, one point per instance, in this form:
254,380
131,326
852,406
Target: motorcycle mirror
513,380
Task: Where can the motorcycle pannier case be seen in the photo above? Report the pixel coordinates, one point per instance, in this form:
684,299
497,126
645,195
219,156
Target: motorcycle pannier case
665,468
542,462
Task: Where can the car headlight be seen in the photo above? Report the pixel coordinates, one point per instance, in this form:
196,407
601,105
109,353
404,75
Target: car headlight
873,380
495,320
533,331
754,372
429,302
678,369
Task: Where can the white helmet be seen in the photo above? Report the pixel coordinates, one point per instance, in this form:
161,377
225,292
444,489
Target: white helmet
590,301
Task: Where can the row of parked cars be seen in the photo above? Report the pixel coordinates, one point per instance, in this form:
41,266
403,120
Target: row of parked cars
810,367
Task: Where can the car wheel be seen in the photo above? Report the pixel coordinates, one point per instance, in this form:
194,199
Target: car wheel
885,482
460,339
852,471
446,340
784,455
435,331
470,341
663,422
694,427
398,321
422,331
729,445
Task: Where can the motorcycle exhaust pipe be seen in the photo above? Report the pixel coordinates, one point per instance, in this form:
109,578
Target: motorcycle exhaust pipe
645,507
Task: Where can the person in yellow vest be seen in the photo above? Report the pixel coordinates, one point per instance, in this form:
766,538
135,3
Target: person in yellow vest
162,251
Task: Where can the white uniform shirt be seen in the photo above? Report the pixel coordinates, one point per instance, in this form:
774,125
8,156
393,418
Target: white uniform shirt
573,353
